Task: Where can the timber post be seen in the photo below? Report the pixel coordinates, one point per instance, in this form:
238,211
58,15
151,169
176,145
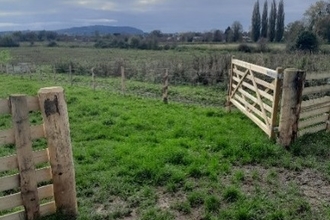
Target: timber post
165,87
293,84
28,179
93,78
70,73
122,72
56,126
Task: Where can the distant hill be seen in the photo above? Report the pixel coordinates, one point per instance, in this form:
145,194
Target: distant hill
101,29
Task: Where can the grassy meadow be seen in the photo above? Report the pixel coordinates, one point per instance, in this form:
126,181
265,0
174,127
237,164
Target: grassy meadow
137,158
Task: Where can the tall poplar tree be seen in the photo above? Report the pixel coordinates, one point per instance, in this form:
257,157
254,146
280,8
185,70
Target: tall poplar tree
272,22
280,22
264,21
256,24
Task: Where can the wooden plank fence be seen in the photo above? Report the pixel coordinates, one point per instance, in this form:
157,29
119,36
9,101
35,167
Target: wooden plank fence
21,198
305,99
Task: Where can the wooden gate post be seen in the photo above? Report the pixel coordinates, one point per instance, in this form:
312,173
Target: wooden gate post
28,180
56,124
165,87
293,84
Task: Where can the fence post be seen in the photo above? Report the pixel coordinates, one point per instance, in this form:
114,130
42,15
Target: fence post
123,86
54,71
276,101
293,83
70,73
230,81
93,78
165,87
28,180
56,125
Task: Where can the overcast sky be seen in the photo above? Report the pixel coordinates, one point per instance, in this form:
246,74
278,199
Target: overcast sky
165,15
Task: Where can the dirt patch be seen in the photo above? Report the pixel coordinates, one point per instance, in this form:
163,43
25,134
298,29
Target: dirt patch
310,183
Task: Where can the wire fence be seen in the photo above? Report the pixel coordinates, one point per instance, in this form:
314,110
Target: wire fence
159,83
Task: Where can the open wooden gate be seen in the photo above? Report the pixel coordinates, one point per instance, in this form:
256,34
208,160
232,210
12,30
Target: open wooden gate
256,90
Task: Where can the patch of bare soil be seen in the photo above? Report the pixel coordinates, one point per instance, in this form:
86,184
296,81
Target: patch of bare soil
311,184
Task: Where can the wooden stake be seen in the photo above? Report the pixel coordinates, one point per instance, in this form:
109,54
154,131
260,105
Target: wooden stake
57,131
54,71
28,183
70,73
293,83
93,78
165,87
123,86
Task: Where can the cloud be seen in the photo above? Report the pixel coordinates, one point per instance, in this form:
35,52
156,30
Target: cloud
100,20
8,24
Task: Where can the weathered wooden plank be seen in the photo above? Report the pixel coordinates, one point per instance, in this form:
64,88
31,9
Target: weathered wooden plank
8,137
56,122
10,162
4,106
312,130
260,100
316,76
315,102
45,209
23,142
315,112
313,121
316,89
253,98
15,200
258,81
263,70
252,117
32,103
251,87
249,107
12,182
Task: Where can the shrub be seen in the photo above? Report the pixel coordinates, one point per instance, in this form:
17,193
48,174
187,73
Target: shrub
244,48
52,44
8,41
307,41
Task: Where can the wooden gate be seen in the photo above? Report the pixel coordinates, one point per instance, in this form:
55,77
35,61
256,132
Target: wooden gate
255,90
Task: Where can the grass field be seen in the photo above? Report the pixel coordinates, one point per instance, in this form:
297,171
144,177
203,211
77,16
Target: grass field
137,158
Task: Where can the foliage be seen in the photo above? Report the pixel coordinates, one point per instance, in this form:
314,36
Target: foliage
272,22
245,48
256,22
52,44
237,29
280,22
5,56
264,21
307,41
8,41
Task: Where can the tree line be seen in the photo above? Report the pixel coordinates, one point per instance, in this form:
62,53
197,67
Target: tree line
267,25
270,26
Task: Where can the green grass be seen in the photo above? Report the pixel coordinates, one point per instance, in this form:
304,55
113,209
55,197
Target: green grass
138,158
